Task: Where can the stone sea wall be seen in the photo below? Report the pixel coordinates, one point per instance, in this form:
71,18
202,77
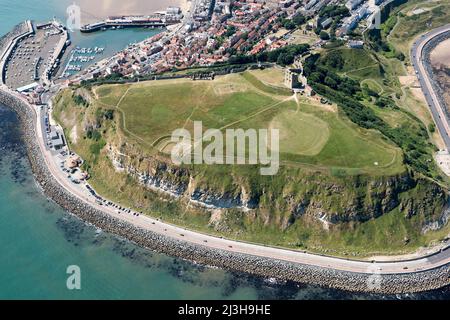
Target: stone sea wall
265,267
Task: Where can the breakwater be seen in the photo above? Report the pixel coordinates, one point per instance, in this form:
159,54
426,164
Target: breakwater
388,284
9,41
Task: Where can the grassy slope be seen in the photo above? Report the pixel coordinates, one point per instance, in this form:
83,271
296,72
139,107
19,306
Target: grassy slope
347,146
382,235
411,25
270,76
301,133
381,74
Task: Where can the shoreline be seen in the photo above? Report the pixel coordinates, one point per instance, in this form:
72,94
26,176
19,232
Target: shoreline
91,13
428,50
257,265
440,54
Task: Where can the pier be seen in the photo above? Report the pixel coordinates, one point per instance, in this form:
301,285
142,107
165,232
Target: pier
34,55
6,54
126,22
158,20
58,52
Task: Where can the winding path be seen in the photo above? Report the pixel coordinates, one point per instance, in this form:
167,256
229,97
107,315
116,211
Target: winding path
393,266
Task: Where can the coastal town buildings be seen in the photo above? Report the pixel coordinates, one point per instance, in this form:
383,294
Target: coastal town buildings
220,29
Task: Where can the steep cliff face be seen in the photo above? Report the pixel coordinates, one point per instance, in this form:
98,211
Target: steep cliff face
291,195
179,182
321,210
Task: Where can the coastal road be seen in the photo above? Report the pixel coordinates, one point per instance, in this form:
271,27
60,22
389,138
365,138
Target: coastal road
418,60
182,234
154,225
174,232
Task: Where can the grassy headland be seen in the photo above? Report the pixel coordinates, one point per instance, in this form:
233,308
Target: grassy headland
357,176
338,186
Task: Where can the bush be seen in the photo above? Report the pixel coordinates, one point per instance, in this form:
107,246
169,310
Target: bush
299,19
432,127
333,60
412,137
334,11
79,100
324,35
109,114
93,135
95,148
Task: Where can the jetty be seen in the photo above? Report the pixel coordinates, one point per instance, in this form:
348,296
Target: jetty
171,16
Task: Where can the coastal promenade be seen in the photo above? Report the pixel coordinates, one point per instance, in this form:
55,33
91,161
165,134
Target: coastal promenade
397,275
182,234
419,274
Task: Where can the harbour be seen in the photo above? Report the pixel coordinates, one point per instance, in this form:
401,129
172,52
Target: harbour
51,51
171,16
94,246
34,55
79,57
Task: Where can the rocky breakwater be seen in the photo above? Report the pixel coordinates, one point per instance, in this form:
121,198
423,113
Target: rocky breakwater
389,284
15,32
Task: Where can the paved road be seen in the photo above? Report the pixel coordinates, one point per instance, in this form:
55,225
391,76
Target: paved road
423,263
246,248
418,61
154,225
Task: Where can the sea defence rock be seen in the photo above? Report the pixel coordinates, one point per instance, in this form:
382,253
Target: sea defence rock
19,29
388,284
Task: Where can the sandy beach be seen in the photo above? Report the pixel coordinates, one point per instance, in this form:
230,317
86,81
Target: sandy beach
441,54
98,10
440,61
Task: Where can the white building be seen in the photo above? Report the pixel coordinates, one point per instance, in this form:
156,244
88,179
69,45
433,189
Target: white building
355,44
352,4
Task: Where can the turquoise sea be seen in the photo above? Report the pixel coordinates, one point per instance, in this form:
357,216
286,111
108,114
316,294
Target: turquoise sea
39,240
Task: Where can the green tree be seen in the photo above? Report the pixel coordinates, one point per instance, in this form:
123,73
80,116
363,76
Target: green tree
324,35
432,127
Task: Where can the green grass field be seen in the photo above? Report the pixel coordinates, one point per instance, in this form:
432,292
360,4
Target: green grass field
318,145
310,134
301,133
334,165
270,76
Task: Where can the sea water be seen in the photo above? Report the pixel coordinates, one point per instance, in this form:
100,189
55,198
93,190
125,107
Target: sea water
39,240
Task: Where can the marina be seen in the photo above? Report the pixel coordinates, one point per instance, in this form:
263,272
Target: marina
80,57
35,71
